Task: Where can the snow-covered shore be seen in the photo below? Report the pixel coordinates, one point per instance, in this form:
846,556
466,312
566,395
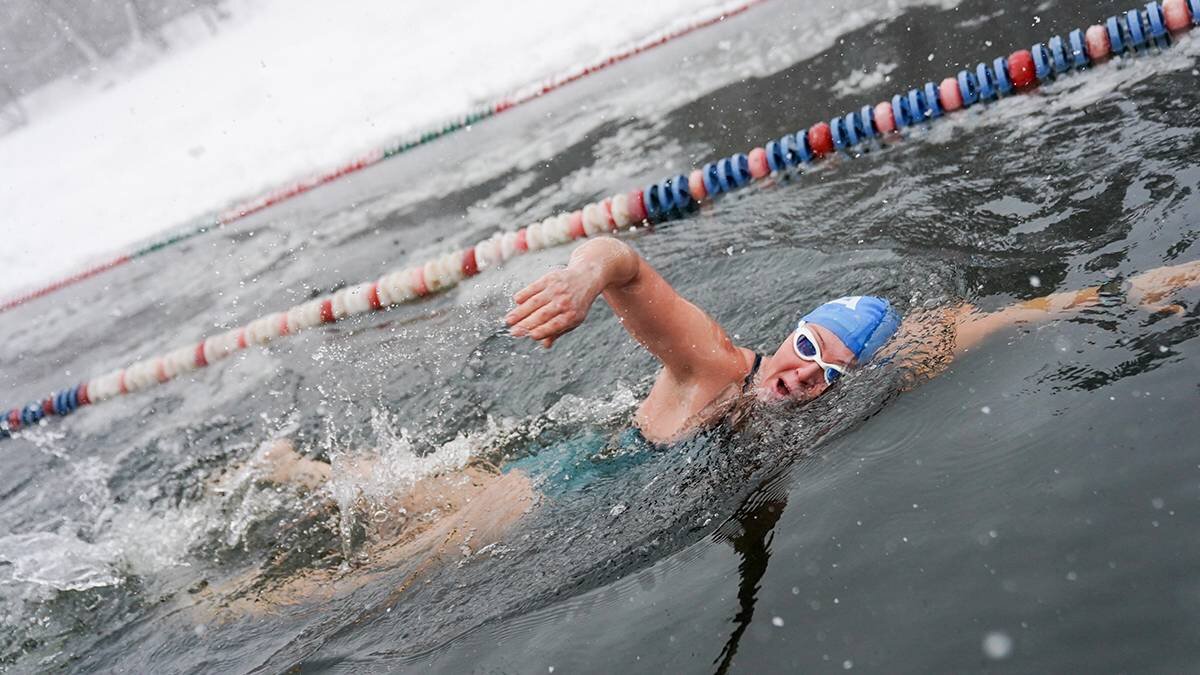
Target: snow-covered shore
290,89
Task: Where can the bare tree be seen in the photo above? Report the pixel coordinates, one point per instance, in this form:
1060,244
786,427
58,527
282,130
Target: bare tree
212,12
135,24
137,33
44,40
73,37
12,113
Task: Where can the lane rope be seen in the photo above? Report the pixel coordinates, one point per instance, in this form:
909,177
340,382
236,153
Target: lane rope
1135,32
458,123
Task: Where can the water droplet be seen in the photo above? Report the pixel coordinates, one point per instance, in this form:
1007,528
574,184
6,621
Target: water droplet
986,410
997,645
777,621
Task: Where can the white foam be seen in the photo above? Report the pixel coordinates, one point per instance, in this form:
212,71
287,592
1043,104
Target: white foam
56,561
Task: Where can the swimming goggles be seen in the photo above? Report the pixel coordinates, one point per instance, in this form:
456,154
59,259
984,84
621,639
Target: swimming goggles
807,347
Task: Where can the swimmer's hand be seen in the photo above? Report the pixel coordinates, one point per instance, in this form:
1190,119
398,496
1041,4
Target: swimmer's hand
560,300
554,305
1150,289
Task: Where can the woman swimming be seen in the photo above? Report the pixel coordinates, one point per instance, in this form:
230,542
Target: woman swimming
705,381
703,370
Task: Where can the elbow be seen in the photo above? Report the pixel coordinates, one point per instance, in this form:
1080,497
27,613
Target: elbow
628,263
619,262
605,246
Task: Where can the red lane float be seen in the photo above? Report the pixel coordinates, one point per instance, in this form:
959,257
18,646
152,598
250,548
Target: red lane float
950,95
1098,45
820,139
1021,69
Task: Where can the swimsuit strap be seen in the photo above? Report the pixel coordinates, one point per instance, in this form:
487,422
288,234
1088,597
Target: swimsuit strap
753,371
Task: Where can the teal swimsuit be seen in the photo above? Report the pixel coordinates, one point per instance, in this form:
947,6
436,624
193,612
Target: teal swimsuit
586,461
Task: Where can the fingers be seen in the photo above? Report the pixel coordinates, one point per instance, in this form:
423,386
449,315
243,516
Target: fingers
552,328
547,312
544,309
526,307
1168,308
530,290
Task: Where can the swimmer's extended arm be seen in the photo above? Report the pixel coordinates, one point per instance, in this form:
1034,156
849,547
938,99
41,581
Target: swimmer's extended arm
929,340
1148,290
687,341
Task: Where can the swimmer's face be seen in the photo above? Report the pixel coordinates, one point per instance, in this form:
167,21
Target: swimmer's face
787,377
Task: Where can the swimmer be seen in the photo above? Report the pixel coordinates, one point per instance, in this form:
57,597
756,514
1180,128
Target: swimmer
703,372
704,376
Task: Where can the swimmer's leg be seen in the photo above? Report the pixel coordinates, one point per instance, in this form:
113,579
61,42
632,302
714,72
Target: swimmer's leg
276,462
279,462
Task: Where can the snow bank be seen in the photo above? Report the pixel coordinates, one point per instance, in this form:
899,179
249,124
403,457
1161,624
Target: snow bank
293,88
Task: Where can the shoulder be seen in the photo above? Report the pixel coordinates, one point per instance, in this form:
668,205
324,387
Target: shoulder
680,404
925,343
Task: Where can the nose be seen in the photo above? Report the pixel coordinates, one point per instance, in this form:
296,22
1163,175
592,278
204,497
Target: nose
808,369
810,378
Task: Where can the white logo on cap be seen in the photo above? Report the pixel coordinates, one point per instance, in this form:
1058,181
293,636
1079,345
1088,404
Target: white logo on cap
851,302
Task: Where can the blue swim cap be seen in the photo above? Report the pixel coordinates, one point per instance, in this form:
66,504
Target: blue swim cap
862,322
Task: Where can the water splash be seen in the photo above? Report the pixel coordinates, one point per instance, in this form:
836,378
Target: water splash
59,562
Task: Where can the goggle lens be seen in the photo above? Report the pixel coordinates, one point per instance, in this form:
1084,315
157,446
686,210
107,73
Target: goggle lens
804,347
806,350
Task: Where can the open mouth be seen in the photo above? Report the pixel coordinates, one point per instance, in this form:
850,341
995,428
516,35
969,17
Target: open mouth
781,387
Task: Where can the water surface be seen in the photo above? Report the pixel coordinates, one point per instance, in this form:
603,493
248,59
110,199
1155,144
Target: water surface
1030,509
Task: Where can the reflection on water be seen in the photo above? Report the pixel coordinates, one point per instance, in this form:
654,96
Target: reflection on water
456,501
751,527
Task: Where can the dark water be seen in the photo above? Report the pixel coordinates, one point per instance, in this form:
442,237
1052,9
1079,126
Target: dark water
1031,509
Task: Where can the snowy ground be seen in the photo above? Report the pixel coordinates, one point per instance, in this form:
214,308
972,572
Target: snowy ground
290,89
